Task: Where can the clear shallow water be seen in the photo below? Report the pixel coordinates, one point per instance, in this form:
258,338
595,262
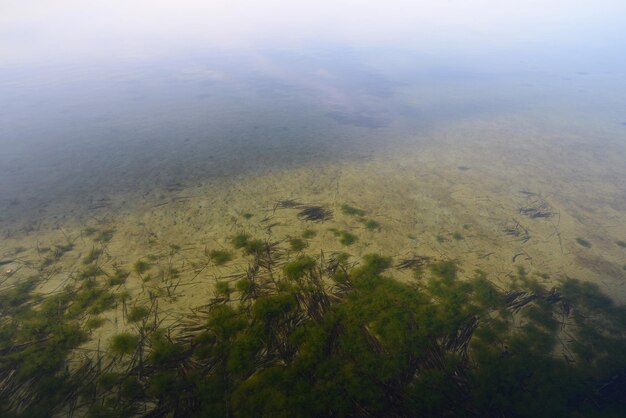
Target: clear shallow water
77,132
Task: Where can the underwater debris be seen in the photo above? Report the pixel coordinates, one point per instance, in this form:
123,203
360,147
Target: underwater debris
413,262
288,204
538,209
517,231
315,214
307,213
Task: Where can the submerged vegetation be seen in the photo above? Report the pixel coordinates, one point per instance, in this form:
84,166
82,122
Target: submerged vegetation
583,242
297,244
345,237
350,210
372,225
220,257
325,335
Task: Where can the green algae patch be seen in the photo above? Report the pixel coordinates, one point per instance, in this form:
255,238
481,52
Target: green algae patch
297,244
372,225
220,257
299,267
124,343
352,211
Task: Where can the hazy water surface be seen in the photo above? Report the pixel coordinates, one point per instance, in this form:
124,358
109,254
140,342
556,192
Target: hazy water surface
76,132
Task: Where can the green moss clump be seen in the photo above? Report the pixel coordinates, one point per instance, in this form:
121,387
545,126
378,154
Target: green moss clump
583,242
254,246
297,244
164,351
347,238
118,278
94,322
299,267
240,240
250,246
457,236
220,257
621,243
91,271
247,215
350,210
57,253
124,343
222,289
372,225
308,233
93,256
137,313
104,236
374,264
141,266
446,270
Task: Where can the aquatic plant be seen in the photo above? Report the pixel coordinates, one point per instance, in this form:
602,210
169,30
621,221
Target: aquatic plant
372,225
300,266
583,242
94,322
250,246
325,337
124,343
141,266
247,215
220,257
89,231
351,210
297,244
345,237
621,243
137,313
93,256
223,289
104,236
240,240
90,272
119,277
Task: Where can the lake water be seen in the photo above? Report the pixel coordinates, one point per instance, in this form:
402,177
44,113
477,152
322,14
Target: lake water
496,166
169,220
